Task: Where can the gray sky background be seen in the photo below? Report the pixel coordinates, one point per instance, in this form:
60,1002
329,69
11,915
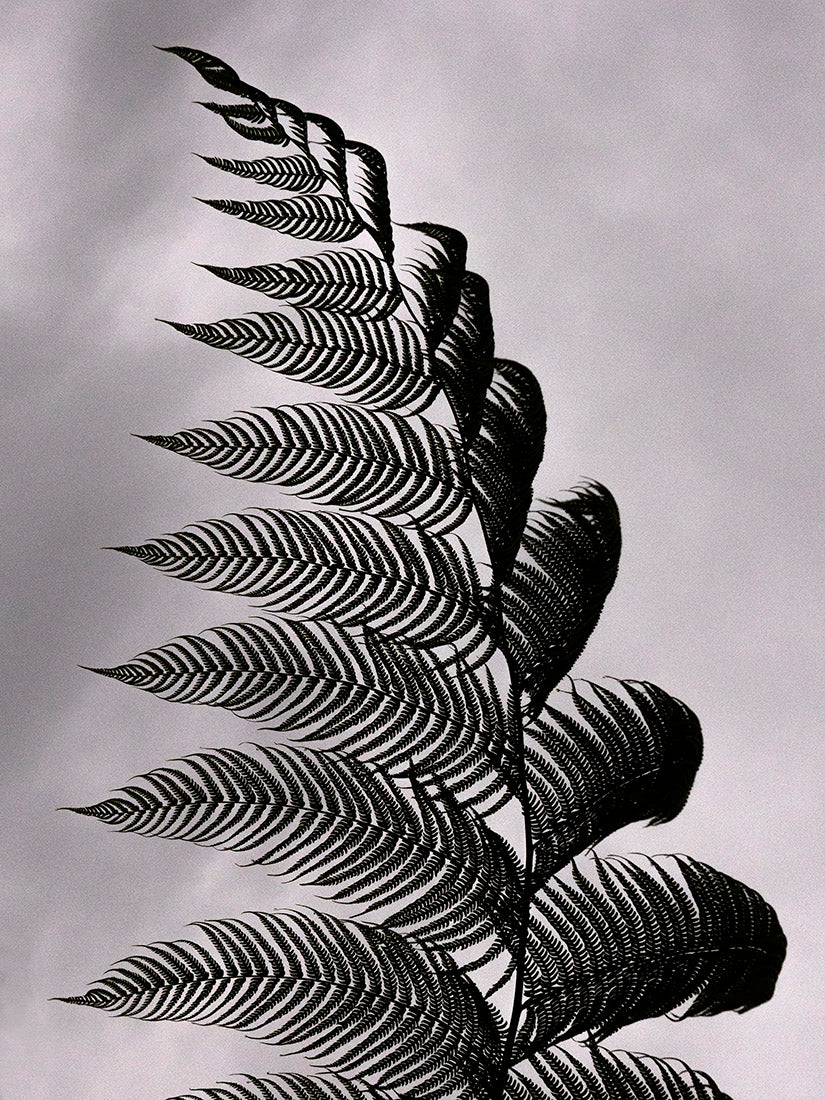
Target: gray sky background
642,184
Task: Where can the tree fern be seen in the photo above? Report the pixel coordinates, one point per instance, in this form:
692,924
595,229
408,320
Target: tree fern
410,696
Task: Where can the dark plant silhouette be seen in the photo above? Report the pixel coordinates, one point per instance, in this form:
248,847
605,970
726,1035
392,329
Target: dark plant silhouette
414,688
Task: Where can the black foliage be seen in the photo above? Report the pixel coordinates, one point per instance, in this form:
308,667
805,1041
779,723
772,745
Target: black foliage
290,1086
701,943
297,174
414,587
402,673
614,757
566,566
505,457
351,281
401,468
402,1014
382,364
334,822
308,217
463,360
390,704
609,1075
432,276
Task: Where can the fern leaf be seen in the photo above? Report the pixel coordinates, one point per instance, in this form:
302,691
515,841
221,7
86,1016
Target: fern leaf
359,1000
505,456
357,170
621,758
299,174
367,188
385,703
308,217
327,145
464,359
256,121
284,118
566,566
331,821
289,1086
610,1075
348,280
646,939
431,277
378,363
381,463
422,589
214,71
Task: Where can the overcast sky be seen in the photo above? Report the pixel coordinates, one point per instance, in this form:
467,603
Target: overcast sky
642,184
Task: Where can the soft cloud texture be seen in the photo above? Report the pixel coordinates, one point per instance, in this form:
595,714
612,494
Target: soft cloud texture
642,184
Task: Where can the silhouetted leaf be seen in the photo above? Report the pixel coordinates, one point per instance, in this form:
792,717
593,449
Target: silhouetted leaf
384,702
331,821
566,566
349,280
648,937
309,217
610,1075
357,999
378,363
299,174
504,458
464,359
415,587
609,760
396,467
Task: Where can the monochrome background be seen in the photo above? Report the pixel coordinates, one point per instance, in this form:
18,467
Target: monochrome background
642,184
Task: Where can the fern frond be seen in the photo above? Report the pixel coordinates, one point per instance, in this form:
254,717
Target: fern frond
384,702
299,174
617,759
285,116
360,1000
290,1086
431,277
214,71
420,691
463,361
327,146
383,364
505,456
348,280
566,566
331,821
645,939
421,589
307,217
278,113
256,121
386,465
367,190
610,1075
